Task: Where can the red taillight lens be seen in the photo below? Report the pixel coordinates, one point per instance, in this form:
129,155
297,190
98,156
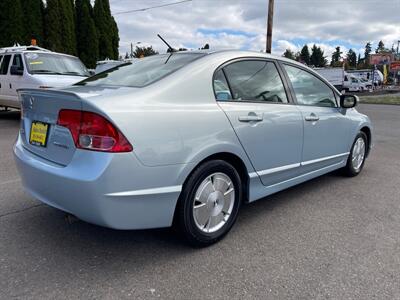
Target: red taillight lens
93,132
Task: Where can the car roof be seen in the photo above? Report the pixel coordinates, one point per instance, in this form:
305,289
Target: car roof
28,49
242,53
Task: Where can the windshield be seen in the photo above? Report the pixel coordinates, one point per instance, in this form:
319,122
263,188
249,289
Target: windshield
143,71
55,64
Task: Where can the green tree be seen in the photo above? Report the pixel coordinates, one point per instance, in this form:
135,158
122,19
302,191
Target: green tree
33,14
107,30
305,55
289,54
60,26
367,53
317,58
336,56
68,26
11,23
381,47
351,59
144,51
86,33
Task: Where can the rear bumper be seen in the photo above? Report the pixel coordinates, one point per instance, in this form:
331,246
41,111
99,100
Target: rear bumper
111,190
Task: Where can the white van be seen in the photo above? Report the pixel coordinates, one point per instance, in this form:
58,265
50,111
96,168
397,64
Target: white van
35,67
354,84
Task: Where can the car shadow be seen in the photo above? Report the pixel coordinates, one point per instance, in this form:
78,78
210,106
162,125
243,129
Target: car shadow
10,115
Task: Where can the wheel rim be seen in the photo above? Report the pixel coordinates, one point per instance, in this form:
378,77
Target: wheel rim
358,154
213,202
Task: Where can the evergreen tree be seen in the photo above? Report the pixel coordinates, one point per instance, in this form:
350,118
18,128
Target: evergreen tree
115,38
351,59
60,26
107,30
367,53
336,56
68,26
144,51
53,40
114,33
381,47
33,11
317,58
305,55
289,54
86,34
359,60
11,23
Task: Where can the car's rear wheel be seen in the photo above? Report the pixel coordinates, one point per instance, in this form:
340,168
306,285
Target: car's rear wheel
356,159
209,203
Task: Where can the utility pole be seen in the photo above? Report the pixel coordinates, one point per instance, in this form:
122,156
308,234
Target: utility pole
270,25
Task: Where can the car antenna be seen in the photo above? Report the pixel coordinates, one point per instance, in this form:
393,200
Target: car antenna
168,45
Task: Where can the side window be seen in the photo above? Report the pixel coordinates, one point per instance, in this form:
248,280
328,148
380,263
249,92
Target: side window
354,80
221,87
4,64
17,61
255,80
309,89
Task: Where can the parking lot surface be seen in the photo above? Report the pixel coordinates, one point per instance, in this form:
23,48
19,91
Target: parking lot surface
330,238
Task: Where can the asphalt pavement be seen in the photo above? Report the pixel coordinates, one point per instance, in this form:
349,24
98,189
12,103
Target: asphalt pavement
330,238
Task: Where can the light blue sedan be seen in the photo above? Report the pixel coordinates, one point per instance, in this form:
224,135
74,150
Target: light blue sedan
185,138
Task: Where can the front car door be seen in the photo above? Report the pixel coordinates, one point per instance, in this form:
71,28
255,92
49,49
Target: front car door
326,126
252,94
16,81
5,81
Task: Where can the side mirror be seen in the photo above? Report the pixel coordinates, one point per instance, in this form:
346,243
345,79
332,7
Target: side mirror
14,70
348,101
92,72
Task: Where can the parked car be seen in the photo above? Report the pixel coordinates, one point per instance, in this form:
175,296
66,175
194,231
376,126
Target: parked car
185,138
107,64
35,67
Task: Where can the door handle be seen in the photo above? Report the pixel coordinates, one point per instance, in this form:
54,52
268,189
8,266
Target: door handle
251,117
312,118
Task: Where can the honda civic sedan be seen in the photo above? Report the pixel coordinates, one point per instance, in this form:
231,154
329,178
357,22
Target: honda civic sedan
185,138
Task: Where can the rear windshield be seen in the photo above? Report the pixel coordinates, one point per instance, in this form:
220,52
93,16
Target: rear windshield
143,71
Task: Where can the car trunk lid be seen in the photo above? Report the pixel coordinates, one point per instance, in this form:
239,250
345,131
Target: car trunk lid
40,133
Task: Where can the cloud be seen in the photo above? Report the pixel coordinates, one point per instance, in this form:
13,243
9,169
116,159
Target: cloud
241,24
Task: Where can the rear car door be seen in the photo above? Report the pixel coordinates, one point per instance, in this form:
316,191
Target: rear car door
326,127
270,129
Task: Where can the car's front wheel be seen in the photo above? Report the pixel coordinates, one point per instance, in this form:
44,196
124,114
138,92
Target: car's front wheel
209,202
357,155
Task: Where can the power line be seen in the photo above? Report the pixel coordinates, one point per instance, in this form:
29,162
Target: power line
151,7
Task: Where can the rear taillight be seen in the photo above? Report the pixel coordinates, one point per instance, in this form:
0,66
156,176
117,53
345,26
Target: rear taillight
93,132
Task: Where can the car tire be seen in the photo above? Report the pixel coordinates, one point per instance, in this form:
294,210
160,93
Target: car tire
209,203
357,156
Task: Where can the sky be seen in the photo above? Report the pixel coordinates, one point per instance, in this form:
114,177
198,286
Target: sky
241,24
